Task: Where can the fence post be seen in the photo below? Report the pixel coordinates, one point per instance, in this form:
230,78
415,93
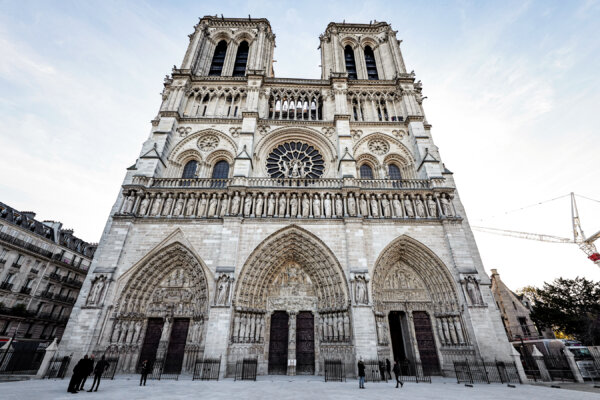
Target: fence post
48,356
573,365
517,359
539,361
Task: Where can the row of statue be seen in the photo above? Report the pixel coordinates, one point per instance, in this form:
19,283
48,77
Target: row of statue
248,327
450,331
126,332
334,327
300,205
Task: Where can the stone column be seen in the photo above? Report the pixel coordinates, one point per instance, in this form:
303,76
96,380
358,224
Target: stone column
574,368
291,370
50,352
517,360
539,361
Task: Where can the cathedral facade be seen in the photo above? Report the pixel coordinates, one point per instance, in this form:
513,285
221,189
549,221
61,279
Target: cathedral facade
290,221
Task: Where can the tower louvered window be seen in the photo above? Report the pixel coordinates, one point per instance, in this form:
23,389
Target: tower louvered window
216,67
370,63
241,59
350,62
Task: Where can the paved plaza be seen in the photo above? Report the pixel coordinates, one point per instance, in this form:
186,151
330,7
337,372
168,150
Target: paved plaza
283,388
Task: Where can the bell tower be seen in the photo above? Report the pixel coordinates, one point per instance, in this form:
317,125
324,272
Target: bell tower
362,51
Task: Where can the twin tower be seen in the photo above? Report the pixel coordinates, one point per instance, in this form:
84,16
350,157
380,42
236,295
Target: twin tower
290,221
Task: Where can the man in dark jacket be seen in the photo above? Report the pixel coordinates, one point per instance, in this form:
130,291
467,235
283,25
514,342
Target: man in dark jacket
388,368
88,368
146,366
397,374
98,371
361,374
77,375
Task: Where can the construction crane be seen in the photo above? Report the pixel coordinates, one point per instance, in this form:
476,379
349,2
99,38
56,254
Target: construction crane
585,244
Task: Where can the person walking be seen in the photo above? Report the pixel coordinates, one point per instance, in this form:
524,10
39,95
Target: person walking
77,375
397,374
87,369
361,374
388,368
145,370
98,371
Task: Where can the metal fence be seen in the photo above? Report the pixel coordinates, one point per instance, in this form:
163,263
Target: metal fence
158,372
480,371
334,371
245,370
20,362
207,369
375,371
57,368
558,367
413,372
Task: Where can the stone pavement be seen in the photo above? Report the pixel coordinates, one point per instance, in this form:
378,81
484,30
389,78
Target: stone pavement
284,388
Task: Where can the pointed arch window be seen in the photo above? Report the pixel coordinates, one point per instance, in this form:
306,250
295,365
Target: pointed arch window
221,170
241,59
370,63
350,62
366,172
189,171
216,67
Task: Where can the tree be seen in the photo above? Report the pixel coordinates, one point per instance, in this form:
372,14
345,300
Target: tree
571,306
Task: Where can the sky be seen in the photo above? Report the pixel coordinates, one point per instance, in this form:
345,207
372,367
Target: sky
513,94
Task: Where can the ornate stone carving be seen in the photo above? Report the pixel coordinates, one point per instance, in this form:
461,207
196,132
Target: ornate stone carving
295,160
470,284
360,286
97,290
378,146
208,142
328,131
224,282
356,134
184,131
235,132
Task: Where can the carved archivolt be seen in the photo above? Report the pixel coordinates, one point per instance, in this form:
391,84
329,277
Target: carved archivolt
192,141
407,271
170,283
308,253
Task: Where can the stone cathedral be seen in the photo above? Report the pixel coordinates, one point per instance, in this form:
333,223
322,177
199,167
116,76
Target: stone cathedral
290,221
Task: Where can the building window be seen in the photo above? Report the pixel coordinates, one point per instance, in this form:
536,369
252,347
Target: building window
241,59
221,170
524,326
189,171
366,172
370,62
350,63
394,172
216,67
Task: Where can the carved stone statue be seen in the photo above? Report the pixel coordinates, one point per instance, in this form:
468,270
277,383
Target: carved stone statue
129,201
327,206
361,291
168,204
189,208
293,206
258,206
364,208
351,205
136,331
374,207
235,204
472,289
178,207
156,205
144,206
212,206
385,207
116,332
431,206
397,206
419,207
202,206
224,205
305,206
339,206
96,292
248,205
409,208
223,291
271,205
316,206
282,205
446,207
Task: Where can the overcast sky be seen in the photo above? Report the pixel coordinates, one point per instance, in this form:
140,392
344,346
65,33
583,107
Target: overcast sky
513,93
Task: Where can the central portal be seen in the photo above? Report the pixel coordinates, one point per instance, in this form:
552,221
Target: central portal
278,343
305,343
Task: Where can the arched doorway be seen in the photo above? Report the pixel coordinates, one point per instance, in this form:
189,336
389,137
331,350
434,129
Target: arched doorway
291,304
416,306
161,313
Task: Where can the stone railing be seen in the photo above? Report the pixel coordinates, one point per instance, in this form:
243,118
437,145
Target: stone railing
290,198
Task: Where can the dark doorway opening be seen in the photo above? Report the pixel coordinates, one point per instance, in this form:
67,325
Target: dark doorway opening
151,340
395,320
305,343
426,343
278,343
176,349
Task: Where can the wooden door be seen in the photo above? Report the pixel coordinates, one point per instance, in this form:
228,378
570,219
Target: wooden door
305,343
278,343
426,342
151,341
176,348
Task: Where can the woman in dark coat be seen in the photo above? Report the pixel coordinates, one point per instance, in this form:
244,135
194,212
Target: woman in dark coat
397,374
77,375
361,374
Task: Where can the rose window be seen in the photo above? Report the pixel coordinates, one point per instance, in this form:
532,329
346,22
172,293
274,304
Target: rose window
295,160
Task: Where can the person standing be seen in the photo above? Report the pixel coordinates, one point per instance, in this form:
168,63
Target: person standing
87,369
98,371
388,368
77,375
145,370
361,374
397,374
